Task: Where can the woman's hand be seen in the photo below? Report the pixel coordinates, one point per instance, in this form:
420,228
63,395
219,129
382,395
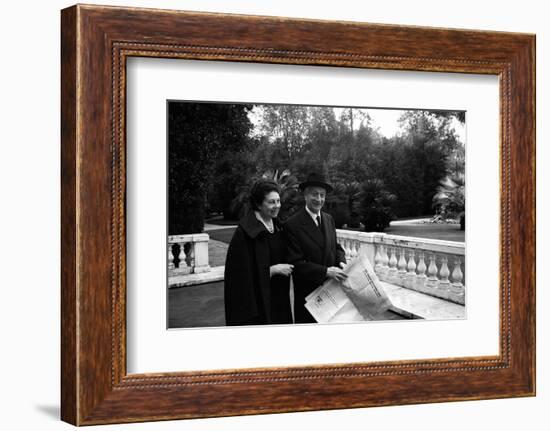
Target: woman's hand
284,269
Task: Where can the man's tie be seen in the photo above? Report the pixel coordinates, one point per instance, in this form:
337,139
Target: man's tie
319,223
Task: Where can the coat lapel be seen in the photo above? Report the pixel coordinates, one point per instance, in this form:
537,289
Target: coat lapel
328,239
311,229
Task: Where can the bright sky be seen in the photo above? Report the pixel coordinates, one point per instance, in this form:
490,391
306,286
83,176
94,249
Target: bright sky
386,121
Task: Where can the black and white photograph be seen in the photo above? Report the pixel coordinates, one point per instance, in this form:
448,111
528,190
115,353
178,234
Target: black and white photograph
252,215
285,214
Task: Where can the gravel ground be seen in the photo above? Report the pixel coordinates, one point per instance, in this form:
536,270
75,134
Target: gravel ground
196,306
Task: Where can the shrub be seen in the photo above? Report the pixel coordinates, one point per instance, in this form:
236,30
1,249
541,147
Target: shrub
375,206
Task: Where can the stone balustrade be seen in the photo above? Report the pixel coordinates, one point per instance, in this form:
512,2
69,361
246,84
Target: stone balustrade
188,254
428,266
434,267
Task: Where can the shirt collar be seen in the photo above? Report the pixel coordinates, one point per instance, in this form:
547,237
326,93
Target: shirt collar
313,215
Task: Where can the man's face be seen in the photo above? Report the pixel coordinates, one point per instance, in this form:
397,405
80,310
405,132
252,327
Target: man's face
315,198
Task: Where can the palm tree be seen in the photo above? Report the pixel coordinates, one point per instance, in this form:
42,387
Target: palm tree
288,190
449,199
376,205
344,202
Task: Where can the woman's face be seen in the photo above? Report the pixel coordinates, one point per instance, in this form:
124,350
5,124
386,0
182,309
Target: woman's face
270,206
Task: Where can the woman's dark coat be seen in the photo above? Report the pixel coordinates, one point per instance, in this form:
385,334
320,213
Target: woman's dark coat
247,281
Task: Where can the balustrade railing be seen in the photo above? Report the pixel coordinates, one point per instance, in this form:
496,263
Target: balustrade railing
188,254
430,266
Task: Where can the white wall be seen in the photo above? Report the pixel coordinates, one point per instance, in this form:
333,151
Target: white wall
29,215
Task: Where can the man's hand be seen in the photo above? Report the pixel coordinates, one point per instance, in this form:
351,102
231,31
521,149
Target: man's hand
342,265
336,274
281,269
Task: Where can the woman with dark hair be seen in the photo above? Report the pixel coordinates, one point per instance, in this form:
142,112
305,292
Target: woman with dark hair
257,279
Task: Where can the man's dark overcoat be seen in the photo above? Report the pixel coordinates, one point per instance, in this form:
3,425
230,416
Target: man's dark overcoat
311,250
247,284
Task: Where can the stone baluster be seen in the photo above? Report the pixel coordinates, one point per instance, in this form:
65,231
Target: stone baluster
411,271
432,272
184,266
190,258
342,243
183,257
171,257
345,246
199,253
354,247
421,277
349,244
457,288
392,271
385,261
444,273
378,259
402,266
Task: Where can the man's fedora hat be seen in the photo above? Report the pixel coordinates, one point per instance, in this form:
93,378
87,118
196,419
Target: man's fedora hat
316,180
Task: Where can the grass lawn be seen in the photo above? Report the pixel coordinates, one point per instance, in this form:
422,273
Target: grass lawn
447,232
220,221
223,235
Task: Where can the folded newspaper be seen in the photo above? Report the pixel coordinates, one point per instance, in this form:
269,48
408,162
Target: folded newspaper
361,297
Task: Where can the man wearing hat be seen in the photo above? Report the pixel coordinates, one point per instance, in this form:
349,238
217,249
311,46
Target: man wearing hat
311,246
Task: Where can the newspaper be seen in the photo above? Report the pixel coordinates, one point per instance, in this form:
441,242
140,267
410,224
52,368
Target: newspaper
361,297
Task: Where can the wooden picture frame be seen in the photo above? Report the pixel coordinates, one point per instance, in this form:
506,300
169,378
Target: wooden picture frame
95,43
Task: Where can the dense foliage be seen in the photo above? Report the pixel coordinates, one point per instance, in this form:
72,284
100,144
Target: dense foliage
217,151
207,147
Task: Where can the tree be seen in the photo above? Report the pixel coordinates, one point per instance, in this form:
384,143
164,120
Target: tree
232,170
287,183
355,119
428,141
197,134
286,125
344,202
345,146
459,115
291,199
375,206
450,199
